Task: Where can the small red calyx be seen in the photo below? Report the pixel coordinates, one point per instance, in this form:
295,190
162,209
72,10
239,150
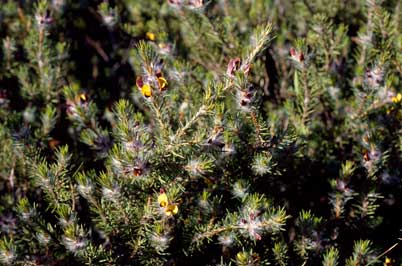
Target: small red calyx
139,82
234,65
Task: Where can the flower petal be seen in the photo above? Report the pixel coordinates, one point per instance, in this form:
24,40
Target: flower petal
162,83
151,36
139,82
162,200
171,209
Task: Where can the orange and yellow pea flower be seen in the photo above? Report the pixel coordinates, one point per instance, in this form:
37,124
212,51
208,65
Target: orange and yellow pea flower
169,208
162,200
162,82
387,262
82,97
146,90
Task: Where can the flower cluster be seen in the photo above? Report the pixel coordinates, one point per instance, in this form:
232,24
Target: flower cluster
374,77
147,83
246,98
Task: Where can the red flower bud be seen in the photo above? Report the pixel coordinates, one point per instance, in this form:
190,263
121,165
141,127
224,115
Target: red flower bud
233,66
139,82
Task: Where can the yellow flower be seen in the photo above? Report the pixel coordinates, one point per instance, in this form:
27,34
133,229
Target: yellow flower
171,209
83,97
146,90
397,98
150,36
162,200
387,262
162,83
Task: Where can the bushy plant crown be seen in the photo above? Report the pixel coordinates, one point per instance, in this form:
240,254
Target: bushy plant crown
190,132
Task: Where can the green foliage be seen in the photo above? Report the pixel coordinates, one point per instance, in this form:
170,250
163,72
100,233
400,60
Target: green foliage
190,132
331,257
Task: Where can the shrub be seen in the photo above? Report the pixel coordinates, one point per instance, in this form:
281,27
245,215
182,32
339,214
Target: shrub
190,132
